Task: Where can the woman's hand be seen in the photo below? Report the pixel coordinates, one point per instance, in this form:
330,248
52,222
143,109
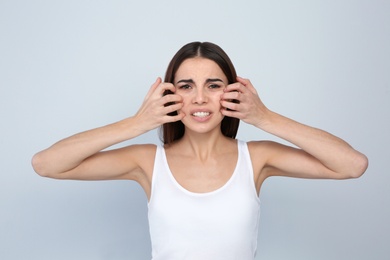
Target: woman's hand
80,157
154,111
248,108
321,154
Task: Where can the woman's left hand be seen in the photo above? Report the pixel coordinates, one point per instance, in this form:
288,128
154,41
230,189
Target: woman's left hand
249,107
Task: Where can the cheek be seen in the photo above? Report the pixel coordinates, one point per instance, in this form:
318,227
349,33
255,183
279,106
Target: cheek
185,96
216,97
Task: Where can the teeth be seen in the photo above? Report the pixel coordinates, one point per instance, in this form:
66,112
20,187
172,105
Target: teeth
201,114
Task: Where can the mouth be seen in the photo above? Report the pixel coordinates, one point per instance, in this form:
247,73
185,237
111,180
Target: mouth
201,114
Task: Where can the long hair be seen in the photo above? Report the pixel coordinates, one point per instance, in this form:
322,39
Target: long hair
171,132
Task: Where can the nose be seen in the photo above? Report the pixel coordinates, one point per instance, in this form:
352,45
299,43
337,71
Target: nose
200,96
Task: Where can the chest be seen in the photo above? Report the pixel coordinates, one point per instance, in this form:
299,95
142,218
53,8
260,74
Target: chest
202,175
201,224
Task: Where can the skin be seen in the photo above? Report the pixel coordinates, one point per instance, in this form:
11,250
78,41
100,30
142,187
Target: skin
203,160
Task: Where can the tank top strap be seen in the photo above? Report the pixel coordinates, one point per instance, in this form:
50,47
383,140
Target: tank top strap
159,171
247,166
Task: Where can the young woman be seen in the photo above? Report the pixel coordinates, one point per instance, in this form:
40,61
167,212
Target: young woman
202,184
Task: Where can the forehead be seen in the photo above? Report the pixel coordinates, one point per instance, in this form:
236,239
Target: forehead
199,68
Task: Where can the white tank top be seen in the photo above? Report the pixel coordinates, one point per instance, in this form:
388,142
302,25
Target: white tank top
222,224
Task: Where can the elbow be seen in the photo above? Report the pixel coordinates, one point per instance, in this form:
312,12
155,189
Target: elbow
44,167
360,165
38,165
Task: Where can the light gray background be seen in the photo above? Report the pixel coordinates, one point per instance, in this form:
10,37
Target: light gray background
68,66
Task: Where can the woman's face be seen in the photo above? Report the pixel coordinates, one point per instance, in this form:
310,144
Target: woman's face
200,82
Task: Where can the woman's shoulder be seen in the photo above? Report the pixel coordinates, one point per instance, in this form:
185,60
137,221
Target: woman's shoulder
139,154
262,147
140,150
142,155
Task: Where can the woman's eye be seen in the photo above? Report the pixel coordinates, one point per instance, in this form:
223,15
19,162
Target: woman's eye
185,86
214,86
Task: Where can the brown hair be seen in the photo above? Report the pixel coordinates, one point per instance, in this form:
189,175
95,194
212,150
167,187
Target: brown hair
171,132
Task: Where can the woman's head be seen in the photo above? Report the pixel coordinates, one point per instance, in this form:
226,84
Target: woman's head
229,126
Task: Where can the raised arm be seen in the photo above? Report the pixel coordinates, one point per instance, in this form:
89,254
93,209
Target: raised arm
80,156
321,154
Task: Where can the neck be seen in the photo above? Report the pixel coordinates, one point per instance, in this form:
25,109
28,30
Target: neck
204,145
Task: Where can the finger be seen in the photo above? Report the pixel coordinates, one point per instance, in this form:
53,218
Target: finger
231,95
235,87
174,118
153,87
230,113
171,98
172,108
227,105
247,83
166,88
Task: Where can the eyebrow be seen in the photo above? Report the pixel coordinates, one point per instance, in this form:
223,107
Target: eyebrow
192,81
214,80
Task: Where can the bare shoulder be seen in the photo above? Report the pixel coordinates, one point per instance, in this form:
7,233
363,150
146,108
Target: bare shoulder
268,151
260,153
136,163
141,149
261,147
142,154
265,148
133,162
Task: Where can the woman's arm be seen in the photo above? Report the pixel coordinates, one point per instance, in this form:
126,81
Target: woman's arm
321,155
80,156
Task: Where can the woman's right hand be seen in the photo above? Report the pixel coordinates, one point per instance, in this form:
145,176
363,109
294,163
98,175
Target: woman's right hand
80,156
154,112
